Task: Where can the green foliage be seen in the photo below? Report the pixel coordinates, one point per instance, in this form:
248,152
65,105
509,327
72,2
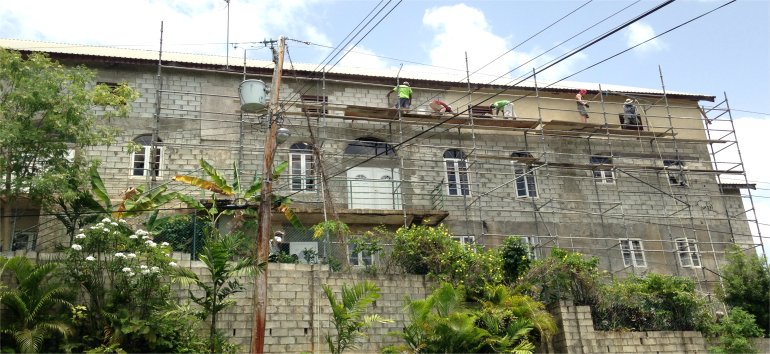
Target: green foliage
443,323
333,227
368,244
747,285
123,275
349,315
516,258
734,332
47,109
334,264
564,275
651,303
218,255
34,310
185,233
432,251
310,255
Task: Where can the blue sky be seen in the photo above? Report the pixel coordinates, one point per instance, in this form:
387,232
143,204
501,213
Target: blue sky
725,51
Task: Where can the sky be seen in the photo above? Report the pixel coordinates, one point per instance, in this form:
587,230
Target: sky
725,53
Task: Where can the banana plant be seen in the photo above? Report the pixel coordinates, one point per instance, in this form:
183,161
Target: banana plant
242,196
136,200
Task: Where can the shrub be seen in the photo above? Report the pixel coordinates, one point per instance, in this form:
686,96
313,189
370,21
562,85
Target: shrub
564,275
516,258
734,331
747,285
652,303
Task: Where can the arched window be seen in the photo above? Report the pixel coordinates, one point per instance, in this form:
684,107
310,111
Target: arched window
526,184
456,173
143,161
302,172
370,147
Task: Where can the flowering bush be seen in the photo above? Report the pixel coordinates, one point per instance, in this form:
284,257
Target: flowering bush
123,275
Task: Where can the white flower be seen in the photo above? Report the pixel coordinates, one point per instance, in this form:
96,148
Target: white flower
93,227
142,232
106,229
114,223
90,258
99,225
143,266
131,255
80,236
122,221
106,220
76,247
144,237
164,244
155,269
173,264
131,274
127,270
120,255
145,271
133,237
150,243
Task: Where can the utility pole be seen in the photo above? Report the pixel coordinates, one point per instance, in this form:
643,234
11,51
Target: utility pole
265,206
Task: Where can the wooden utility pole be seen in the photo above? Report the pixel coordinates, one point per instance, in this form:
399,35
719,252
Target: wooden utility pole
265,208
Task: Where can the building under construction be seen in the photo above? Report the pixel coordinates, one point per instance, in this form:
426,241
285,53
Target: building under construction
663,195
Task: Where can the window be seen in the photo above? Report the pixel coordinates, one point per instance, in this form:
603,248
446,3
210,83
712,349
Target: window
633,253
465,240
603,174
687,251
456,173
675,172
302,172
481,111
359,258
314,105
526,185
143,161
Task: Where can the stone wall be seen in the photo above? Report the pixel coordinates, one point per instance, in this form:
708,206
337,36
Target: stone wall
578,336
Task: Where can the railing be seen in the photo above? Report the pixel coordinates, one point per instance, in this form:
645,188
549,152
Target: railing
437,196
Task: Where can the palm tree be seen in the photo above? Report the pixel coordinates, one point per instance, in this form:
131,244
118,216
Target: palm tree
349,315
33,308
216,255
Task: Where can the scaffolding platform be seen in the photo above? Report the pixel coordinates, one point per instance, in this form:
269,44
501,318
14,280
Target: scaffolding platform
434,118
561,127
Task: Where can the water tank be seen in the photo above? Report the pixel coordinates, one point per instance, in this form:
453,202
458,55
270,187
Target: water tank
253,96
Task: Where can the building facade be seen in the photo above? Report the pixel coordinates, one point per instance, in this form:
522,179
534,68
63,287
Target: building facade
646,197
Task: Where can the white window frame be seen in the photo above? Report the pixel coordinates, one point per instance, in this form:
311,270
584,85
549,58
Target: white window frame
527,174
632,251
458,172
465,240
687,253
146,152
306,173
358,259
604,176
532,243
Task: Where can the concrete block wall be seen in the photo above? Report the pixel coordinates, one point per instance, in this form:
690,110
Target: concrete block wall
578,336
298,312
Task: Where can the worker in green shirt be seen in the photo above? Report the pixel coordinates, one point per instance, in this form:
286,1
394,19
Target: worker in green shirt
404,95
505,106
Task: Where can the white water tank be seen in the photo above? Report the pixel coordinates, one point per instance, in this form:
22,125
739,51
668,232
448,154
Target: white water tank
253,95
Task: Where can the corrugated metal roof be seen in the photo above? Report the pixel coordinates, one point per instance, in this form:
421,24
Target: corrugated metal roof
220,61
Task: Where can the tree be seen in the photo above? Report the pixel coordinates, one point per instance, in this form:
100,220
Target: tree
216,255
47,111
349,315
34,311
747,285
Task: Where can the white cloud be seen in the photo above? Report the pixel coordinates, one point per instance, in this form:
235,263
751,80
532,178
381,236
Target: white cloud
189,26
361,57
639,32
461,28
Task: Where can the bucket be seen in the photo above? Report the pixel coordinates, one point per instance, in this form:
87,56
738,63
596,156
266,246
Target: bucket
253,95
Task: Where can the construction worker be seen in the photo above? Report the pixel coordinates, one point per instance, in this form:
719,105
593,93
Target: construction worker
629,113
582,104
438,105
505,106
404,95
